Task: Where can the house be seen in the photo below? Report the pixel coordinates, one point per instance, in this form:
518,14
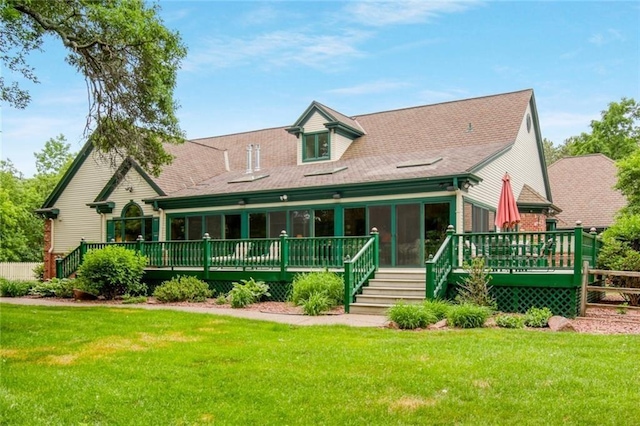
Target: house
409,173
584,187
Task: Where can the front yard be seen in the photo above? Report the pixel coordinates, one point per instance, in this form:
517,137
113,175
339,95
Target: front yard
130,366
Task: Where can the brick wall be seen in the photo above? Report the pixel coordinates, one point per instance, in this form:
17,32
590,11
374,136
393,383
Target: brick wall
533,222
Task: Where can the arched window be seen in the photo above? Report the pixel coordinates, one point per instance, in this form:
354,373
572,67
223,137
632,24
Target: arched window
131,223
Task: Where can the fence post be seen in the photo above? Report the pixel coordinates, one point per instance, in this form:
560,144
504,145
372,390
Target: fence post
376,246
206,250
139,241
83,250
431,279
594,245
348,284
284,255
583,293
452,255
577,254
59,267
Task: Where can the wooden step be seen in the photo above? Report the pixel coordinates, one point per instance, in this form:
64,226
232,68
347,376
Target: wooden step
404,283
394,291
402,274
368,309
379,299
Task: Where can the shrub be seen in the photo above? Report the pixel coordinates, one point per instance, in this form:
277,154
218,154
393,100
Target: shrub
130,300
38,272
316,304
221,300
325,282
55,287
259,289
409,317
537,317
182,289
439,308
510,321
240,296
475,289
467,315
112,271
14,288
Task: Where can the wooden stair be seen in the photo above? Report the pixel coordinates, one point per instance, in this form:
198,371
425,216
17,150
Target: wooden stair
389,287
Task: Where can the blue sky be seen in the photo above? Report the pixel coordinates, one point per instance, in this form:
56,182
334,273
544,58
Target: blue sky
253,65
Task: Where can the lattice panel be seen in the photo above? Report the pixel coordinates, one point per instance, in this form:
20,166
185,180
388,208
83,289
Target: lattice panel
279,290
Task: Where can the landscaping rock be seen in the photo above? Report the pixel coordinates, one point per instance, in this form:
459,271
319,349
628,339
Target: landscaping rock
440,324
558,323
490,322
83,295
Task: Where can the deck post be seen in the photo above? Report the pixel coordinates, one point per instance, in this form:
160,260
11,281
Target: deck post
452,255
376,246
206,250
583,293
59,267
83,250
139,248
577,253
594,245
284,255
348,284
431,279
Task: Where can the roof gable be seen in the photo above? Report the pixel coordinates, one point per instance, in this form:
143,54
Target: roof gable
334,120
68,176
119,176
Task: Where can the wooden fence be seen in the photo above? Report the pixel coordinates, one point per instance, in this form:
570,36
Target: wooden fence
590,277
18,270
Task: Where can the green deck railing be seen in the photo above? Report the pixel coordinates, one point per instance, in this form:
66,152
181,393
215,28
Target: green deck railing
360,268
438,268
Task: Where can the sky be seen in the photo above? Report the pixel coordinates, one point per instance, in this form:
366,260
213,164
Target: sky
254,65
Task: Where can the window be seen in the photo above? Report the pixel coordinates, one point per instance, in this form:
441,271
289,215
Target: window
131,224
315,146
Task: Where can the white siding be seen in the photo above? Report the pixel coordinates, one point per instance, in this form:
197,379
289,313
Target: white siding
77,220
315,123
339,145
522,162
140,190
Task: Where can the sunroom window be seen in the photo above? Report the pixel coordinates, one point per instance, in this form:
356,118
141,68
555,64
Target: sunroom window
315,146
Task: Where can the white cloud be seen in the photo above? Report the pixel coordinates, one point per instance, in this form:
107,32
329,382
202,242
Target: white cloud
560,125
609,36
379,86
278,49
377,14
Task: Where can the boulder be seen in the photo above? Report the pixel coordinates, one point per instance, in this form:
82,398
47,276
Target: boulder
558,323
440,324
83,295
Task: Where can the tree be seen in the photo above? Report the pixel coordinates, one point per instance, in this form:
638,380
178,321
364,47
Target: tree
129,61
55,157
629,181
616,134
553,153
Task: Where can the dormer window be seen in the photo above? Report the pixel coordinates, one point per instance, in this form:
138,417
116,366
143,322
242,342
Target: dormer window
316,146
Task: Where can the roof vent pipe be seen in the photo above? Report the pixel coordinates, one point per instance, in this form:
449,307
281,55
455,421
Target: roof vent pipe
249,155
257,163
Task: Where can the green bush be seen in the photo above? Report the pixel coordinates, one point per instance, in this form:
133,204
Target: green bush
439,308
55,287
112,271
240,296
467,315
475,287
14,288
537,317
325,282
316,304
130,300
510,321
38,272
221,300
182,289
259,289
409,317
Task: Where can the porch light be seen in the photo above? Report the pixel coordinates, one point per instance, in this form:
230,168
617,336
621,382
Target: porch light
242,202
466,185
284,198
336,196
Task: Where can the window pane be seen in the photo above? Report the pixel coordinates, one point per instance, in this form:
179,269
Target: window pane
177,228
213,225
324,223
436,220
148,229
300,223
380,217
323,145
117,232
354,222
194,227
133,211
277,223
132,228
232,224
309,147
408,234
258,225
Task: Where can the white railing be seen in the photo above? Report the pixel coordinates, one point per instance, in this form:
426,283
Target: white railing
18,270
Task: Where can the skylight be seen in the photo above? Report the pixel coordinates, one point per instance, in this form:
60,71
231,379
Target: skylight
418,163
328,171
248,178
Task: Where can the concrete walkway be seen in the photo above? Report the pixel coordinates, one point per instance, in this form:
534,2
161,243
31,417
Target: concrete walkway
353,320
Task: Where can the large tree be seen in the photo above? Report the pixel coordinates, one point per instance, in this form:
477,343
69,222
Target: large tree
128,58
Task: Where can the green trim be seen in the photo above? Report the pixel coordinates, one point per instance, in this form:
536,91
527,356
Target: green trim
344,129
305,156
491,158
478,204
70,173
543,163
103,206
314,106
48,213
118,177
528,279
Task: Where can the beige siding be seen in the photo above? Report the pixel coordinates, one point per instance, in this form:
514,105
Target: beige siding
315,123
140,190
339,145
522,162
77,220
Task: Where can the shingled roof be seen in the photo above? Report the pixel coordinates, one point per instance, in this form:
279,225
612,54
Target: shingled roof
463,133
584,188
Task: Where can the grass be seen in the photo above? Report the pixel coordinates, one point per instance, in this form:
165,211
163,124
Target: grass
132,366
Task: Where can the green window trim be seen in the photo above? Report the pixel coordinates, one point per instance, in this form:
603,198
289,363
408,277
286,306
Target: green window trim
319,143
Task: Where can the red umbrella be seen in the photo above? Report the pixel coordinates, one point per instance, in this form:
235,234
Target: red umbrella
507,215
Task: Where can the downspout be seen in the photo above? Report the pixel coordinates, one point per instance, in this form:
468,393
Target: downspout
50,251
53,222
162,217
102,222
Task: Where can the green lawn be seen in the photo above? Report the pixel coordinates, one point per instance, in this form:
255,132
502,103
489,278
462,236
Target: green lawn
132,366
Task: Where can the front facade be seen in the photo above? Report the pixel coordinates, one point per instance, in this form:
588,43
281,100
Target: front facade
409,173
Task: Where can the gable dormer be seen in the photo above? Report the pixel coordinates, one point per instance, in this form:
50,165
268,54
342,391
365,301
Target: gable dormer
323,134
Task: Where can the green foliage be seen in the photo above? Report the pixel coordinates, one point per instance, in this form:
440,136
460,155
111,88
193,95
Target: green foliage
129,60
629,180
14,288
259,289
325,282
409,317
537,317
468,315
553,153
221,300
112,271
316,304
439,308
38,272
55,287
182,289
475,289
247,292
130,300
510,321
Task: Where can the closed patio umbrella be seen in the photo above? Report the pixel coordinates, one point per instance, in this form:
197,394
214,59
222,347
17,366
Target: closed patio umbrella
507,215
